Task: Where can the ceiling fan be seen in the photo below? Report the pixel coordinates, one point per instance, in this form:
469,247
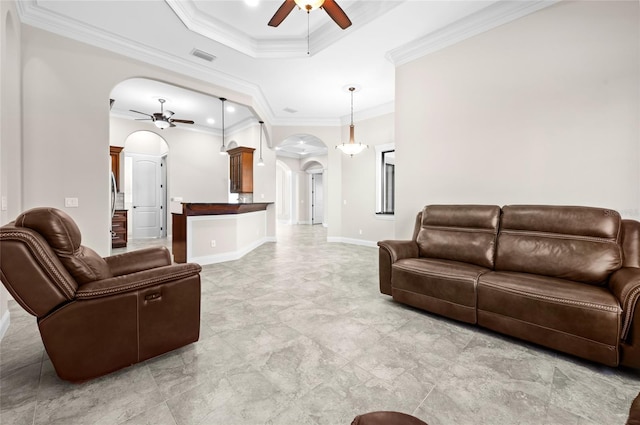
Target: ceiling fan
330,6
163,118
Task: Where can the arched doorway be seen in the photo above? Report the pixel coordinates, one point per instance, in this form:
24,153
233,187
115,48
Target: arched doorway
317,189
145,184
300,175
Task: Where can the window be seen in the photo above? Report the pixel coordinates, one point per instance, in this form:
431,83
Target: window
385,179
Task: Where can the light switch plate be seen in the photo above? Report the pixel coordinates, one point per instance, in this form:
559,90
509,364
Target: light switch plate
71,202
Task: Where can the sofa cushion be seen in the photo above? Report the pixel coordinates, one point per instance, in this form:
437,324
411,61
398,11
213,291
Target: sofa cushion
441,286
465,233
569,316
574,243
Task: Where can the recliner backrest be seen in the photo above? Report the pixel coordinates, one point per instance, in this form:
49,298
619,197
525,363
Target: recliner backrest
465,233
32,272
630,243
63,235
575,243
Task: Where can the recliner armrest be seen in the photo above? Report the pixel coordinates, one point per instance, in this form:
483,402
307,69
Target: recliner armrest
625,285
400,249
391,251
135,261
136,281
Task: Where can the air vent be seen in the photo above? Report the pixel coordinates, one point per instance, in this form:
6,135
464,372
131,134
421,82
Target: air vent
203,55
290,110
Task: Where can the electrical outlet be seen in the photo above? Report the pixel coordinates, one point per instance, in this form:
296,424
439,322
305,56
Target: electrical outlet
71,202
213,243
4,206
360,231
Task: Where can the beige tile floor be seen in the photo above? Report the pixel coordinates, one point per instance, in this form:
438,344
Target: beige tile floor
297,332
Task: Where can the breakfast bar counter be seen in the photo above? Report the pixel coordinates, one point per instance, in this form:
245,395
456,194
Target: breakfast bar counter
208,233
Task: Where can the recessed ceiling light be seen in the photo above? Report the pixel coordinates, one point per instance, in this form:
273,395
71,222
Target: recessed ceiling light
301,142
211,121
231,108
252,3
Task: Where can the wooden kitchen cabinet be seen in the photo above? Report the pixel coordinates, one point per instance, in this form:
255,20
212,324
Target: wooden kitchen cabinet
114,152
241,169
119,229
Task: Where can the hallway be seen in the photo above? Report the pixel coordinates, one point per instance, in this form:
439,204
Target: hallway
296,332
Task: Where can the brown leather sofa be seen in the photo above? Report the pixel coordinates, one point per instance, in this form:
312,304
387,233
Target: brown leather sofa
96,315
567,278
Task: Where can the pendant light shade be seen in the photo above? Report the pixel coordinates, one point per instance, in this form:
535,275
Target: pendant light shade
223,148
261,161
351,148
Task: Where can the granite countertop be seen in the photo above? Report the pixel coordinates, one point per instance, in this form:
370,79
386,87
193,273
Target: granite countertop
204,208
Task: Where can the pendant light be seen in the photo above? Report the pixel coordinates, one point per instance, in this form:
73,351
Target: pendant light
223,148
261,161
351,148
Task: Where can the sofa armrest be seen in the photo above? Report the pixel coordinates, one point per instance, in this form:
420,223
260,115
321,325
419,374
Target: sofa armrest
625,285
136,281
400,249
135,261
391,251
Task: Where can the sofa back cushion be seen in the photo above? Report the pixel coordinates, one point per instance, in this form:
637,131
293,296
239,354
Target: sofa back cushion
63,236
465,233
575,243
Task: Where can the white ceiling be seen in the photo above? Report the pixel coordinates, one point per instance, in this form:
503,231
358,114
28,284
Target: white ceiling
289,86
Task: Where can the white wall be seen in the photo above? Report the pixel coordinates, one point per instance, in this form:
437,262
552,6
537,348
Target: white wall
10,129
66,87
360,224
288,176
544,109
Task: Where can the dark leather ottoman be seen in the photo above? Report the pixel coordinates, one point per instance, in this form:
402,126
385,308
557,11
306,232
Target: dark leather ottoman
386,418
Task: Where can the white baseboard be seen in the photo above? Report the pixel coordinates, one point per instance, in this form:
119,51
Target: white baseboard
361,242
230,256
4,323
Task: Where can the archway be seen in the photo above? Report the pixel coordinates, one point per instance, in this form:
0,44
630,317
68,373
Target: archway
304,157
145,184
317,190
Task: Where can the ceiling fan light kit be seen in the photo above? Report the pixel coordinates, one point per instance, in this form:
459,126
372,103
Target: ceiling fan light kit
309,5
351,148
162,123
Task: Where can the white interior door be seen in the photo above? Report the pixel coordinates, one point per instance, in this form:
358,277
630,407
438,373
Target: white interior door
147,190
317,199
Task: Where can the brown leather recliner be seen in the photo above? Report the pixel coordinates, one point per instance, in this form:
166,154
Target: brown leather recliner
97,315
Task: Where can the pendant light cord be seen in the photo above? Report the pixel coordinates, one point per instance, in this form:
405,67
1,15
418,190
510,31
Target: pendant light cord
308,33
261,124
222,99
351,89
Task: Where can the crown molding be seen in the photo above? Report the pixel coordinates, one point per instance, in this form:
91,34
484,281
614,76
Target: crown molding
499,13
214,29
324,36
31,13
